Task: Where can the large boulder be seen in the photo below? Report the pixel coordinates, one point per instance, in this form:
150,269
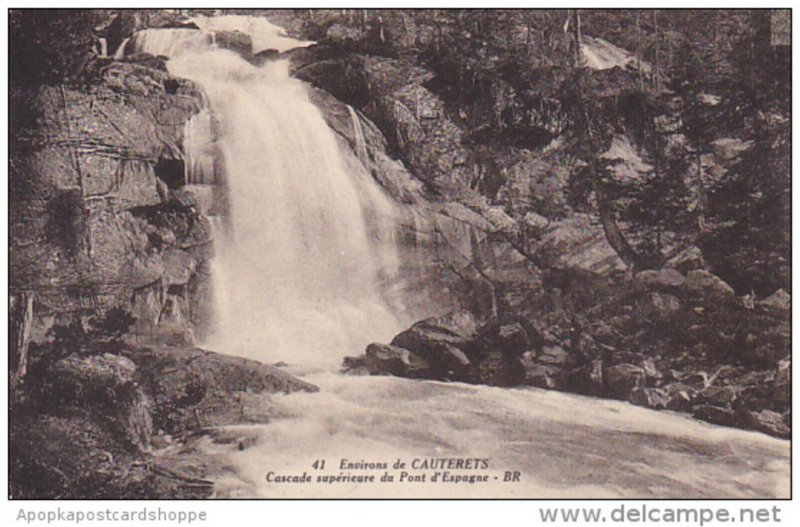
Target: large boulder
708,286
622,379
657,308
586,380
383,359
722,396
194,388
554,356
782,390
443,342
768,422
541,375
716,415
681,396
668,280
510,339
655,398
780,300
236,41
688,259
500,369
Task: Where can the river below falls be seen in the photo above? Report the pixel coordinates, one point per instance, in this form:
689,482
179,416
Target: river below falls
564,446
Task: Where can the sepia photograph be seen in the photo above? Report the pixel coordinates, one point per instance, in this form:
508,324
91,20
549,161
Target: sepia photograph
429,253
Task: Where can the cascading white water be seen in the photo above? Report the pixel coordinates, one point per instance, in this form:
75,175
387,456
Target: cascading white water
263,33
198,144
171,42
300,258
308,234
120,53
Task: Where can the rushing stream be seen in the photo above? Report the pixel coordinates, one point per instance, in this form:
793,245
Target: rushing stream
299,261
565,446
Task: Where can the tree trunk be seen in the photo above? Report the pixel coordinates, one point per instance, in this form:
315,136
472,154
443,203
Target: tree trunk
639,51
528,39
614,236
701,196
23,334
577,35
655,36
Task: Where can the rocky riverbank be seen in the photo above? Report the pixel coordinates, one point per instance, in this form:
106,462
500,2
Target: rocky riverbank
124,425
504,211
662,340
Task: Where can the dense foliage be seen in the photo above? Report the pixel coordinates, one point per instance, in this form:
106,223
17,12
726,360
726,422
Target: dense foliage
698,79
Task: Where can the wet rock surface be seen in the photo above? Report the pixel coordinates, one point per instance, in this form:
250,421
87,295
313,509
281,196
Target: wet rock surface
122,425
95,177
693,349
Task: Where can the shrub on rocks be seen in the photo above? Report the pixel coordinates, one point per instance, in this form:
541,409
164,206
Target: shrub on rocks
105,386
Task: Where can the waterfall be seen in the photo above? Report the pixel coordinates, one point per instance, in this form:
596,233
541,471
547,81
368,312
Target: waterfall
103,48
199,153
120,53
361,143
171,42
309,234
264,34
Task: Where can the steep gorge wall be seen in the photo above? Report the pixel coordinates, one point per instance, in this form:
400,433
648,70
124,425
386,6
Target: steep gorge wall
97,215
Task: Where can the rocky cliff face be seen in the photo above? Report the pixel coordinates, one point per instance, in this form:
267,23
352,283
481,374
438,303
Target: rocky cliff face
98,217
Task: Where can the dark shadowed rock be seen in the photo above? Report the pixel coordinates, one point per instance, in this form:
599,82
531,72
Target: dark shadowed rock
441,341
709,286
722,396
661,280
266,55
554,356
104,385
655,398
382,359
681,397
621,379
687,260
234,41
112,142
716,415
500,369
194,388
780,300
541,375
657,308
768,422
511,339
586,380
77,458
782,391
356,366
